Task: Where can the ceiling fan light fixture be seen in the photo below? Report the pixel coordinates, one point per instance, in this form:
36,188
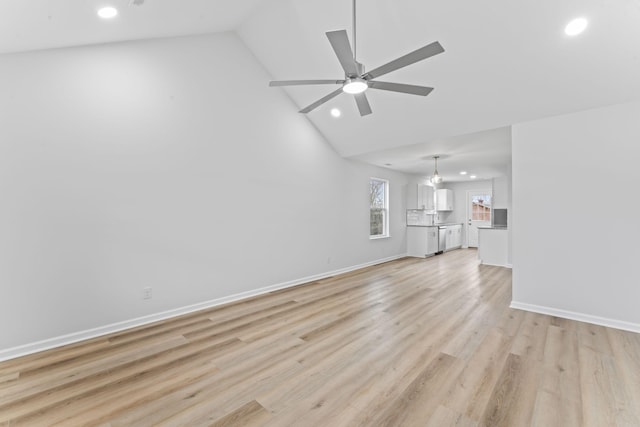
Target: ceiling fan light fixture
355,85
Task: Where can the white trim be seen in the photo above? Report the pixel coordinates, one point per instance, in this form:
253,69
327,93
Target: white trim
381,236
496,265
26,349
468,218
581,317
387,189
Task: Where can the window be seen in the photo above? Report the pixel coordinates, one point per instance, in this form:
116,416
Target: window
379,208
481,208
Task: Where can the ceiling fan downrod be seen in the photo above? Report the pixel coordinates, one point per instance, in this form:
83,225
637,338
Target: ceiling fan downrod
354,31
359,66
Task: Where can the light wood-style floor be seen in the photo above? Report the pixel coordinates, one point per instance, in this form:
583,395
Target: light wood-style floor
414,342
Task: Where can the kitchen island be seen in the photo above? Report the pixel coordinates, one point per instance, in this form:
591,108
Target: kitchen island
493,246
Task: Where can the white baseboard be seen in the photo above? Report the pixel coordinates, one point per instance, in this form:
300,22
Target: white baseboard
23,350
497,265
581,317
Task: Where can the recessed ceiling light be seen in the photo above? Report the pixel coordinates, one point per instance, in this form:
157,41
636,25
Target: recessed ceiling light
473,177
463,173
107,12
575,27
335,112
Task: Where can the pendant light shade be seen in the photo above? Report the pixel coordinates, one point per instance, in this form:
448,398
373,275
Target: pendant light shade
436,178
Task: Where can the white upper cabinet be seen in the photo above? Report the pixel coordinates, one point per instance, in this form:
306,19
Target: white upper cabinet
425,197
444,200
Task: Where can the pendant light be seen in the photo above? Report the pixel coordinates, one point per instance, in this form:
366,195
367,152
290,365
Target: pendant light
436,178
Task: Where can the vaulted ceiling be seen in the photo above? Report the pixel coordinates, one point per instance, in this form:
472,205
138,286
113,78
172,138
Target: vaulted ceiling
505,62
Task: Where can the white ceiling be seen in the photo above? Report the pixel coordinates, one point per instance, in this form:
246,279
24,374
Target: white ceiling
505,62
44,24
484,154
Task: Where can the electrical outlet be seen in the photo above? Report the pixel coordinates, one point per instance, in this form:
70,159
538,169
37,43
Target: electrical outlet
147,293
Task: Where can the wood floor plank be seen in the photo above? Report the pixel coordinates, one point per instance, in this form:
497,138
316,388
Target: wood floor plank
531,337
605,398
418,402
513,398
472,389
46,359
561,365
251,414
626,352
398,371
428,342
36,386
553,410
5,378
445,417
145,381
594,337
509,322
559,398
226,386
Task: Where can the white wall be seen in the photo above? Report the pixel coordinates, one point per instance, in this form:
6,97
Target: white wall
169,164
501,195
571,175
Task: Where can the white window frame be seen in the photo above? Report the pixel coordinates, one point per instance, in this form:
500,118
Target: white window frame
385,225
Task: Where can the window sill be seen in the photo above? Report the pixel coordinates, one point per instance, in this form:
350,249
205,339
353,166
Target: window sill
384,236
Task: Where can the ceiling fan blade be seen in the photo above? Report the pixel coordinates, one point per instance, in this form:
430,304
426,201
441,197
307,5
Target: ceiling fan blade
321,101
305,82
363,104
408,59
340,43
399,87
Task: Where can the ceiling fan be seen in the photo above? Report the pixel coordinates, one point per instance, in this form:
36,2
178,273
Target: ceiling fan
356,80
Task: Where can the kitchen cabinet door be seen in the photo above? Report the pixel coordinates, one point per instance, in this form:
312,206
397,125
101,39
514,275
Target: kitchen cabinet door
454,236
444,200
432,240
425,197
458,236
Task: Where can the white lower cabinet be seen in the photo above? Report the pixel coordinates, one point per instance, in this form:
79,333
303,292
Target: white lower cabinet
422,241
458,236
432,240
454,237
